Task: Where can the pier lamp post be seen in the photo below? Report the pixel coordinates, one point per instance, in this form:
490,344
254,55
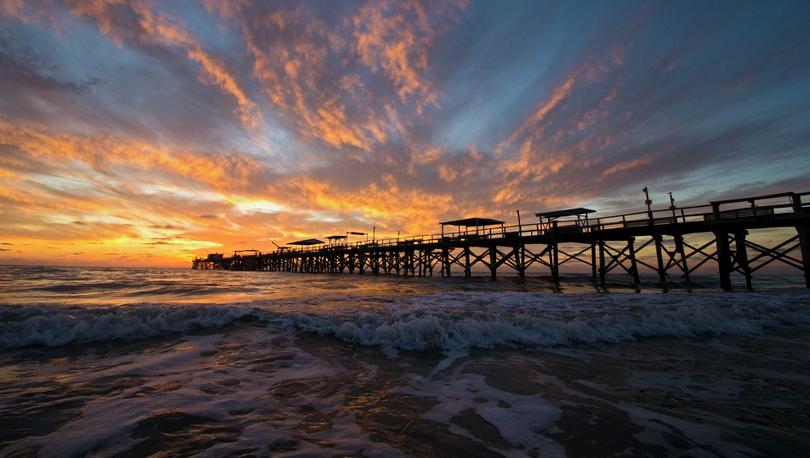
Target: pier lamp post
672,205
648,203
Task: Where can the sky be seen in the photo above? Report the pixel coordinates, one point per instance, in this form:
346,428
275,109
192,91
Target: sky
144,133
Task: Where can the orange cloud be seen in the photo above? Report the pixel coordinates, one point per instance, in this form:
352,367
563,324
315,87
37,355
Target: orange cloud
119,201
312,70
291,68
541,112
385,204
11,8
220,171
446,173
631,164
395,38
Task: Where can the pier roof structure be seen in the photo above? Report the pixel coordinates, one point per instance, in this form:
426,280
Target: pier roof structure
472,222
306,242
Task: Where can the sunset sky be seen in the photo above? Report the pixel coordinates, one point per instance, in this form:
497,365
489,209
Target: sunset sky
145,133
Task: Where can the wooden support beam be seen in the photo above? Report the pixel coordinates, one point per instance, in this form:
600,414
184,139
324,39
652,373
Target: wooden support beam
679,251
476,258
803,231
632,256
777,253
395,262
493,266
741,255
405,263
505,258
532,258
575,256
701,250
804,244
554,261
467,266
602,271
521,268
723,258
662,270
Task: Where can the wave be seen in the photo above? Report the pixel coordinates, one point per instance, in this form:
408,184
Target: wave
55,327
447,331
436,321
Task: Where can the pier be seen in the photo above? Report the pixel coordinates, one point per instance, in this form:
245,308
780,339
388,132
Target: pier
683,239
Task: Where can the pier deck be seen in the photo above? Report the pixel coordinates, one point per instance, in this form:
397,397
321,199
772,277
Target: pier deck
717,232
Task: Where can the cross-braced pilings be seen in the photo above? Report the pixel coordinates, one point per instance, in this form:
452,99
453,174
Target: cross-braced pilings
672,244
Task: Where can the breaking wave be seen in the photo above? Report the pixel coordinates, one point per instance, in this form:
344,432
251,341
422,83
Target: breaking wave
432,321
53,327
457,328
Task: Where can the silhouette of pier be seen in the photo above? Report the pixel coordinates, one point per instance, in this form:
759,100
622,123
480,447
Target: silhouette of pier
683,239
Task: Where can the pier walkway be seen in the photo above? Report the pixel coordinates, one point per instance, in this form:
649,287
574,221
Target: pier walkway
679,240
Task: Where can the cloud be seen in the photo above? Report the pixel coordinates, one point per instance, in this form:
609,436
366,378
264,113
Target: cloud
384,203
395,38
532,123
315,68
136,22
102,153
629,165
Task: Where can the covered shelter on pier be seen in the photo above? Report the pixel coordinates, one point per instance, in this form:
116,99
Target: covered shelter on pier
334,239
477,222
548,219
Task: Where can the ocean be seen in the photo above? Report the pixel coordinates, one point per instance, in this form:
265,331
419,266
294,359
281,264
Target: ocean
134,362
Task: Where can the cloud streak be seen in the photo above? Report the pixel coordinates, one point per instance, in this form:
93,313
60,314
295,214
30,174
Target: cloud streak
135,22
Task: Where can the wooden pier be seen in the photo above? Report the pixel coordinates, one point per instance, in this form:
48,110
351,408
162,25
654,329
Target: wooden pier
683,239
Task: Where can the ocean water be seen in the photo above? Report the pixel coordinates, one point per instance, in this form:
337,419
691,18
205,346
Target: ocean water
132,362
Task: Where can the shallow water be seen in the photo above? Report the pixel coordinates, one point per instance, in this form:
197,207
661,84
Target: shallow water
114,362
